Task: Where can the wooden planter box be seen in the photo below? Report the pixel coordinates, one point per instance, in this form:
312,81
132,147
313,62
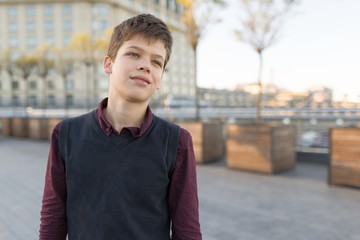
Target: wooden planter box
344,165
208,140
261,147
20,127
6,127
38,128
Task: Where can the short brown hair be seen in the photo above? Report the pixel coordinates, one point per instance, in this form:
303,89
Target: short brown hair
144,25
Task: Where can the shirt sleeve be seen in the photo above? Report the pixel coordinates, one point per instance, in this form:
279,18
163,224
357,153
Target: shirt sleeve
53,224
183,197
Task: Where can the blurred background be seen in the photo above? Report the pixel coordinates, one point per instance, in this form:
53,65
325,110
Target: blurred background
51,60
291,64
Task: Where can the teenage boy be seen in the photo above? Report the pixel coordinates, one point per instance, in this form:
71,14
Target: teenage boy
120,172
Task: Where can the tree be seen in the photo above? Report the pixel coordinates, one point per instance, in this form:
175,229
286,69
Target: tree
90,51
84,48
8,66
197,15
259,27
26,64
64,65
44,66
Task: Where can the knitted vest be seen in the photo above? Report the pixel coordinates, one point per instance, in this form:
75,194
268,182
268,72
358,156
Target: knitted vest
117,186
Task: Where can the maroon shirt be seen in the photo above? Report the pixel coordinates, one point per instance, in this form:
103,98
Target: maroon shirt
183,199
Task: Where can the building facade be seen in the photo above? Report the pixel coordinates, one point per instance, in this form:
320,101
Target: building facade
47,30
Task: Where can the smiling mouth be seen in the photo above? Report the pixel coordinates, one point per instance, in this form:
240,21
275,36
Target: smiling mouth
140,79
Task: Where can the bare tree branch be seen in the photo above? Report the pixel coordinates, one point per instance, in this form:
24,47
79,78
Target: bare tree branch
260,25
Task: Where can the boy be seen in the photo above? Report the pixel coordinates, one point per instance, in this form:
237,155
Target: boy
120,172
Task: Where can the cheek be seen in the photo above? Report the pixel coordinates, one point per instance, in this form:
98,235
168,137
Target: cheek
158,76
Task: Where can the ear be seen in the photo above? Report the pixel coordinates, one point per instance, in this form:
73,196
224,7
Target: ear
107,64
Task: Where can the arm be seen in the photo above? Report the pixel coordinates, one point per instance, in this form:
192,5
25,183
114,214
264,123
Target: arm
183,199
53,212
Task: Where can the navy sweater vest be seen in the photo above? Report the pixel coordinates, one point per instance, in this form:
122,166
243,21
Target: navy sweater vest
117,186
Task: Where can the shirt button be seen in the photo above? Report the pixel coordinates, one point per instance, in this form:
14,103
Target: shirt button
107,129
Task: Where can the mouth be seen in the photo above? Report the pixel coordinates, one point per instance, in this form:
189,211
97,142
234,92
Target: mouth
140,79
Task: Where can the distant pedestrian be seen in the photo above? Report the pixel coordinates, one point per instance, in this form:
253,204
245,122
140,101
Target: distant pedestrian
120,172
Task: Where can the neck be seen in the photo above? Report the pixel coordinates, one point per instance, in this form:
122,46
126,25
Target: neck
124,114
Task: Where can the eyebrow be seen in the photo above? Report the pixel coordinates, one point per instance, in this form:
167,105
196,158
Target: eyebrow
140,49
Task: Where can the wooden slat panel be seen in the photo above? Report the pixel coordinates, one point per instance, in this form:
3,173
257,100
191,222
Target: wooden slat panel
249,147
351,134
247,157
213,142
38,128
345,156
20,127
208,140
245,131
345,175
6,126
264,148
283,140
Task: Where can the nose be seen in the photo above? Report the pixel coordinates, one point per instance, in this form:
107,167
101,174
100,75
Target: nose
144,66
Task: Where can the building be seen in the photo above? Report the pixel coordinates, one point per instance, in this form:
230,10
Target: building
227,97
47,28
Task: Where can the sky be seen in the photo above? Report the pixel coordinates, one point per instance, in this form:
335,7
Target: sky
319,45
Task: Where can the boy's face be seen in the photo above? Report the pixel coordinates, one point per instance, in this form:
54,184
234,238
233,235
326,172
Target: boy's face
136,72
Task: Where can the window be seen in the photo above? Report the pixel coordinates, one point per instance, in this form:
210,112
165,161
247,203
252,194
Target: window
32,85
30,26
31,41
178,7
30,11
15,85
94,10
103,24
49,40
13,42
49,25
67,25
67,11
50,85
143,8
130,3
15,101
49,11
12,27
169,4
66,40
51,100
33,101
69,84
69,100
12,11
94,26
14,56
103,10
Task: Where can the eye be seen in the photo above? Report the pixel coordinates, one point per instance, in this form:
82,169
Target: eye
157,63
132,54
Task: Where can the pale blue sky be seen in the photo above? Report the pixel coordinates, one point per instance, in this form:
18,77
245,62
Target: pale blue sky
319,45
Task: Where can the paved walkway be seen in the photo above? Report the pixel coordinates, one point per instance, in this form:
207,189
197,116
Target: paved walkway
234,205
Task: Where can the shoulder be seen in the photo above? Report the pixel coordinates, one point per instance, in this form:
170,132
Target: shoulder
165,124
79,118
185,140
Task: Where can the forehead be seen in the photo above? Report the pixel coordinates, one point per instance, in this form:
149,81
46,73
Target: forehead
153,46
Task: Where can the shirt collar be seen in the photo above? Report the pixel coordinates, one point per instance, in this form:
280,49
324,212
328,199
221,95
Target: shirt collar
105,125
